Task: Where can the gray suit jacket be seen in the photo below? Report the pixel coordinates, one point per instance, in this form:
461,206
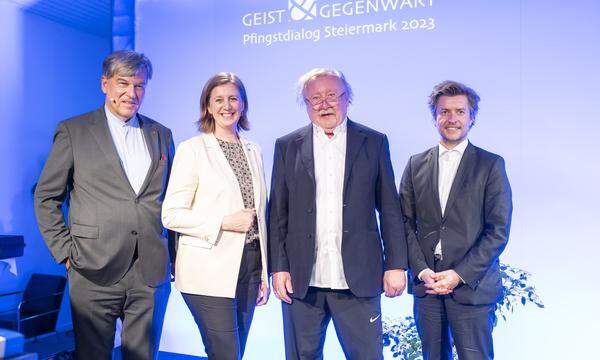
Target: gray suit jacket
107,221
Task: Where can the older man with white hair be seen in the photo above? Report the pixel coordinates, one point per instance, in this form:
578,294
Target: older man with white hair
329,257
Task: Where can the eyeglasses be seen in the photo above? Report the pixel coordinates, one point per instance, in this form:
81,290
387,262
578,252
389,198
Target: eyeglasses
331,98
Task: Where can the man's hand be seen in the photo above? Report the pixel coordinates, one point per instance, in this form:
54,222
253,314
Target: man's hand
444,284
240,221
282,285
427,276
394,282
263,293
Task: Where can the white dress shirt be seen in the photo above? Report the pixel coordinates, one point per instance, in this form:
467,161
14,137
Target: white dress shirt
131,147
448,161
330,159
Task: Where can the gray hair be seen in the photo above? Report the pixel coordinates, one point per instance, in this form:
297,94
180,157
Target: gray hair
317,73
454,88
126,63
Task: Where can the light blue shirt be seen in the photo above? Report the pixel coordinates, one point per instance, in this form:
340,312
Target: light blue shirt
131,147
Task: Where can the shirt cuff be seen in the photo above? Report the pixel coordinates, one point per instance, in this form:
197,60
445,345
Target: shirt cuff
460,277
421,273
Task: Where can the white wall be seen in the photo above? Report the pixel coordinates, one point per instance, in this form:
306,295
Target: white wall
48,72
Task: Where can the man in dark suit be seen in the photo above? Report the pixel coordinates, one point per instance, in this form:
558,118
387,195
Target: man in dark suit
113,165
330,179
456,201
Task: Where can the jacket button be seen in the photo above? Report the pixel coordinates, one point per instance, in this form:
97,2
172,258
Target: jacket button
133,232
136,200
309,236
443,228
310,211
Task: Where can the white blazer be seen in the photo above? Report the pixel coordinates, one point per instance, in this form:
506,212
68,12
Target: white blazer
202,190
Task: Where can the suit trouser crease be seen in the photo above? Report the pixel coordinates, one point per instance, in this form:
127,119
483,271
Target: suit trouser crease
95,310
443,323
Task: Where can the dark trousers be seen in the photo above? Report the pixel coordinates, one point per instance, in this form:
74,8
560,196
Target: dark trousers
224,323
95,309
357,324
442,322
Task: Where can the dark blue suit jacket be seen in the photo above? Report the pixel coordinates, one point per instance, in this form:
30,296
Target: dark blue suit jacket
368,187
474,229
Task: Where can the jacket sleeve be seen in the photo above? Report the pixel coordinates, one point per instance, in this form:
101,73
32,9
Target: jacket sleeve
172,236
390,212
177,212
278,214
416,258
51,192
494,237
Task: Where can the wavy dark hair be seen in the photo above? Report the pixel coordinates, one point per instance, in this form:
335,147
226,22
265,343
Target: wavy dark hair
454,88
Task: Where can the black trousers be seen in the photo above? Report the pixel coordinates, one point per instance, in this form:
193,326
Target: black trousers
224,323
95,309
442,322
357,324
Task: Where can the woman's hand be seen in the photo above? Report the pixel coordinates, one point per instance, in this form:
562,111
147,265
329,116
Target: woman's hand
263,294
240,221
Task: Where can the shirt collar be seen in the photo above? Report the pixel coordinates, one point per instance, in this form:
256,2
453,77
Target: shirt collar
460,148
114,121
340,129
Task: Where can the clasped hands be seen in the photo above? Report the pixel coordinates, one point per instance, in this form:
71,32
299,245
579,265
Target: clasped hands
440,283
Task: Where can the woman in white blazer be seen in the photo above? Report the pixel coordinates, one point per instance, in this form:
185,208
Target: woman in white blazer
216,201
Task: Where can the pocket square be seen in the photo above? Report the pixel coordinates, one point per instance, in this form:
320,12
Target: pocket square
163,157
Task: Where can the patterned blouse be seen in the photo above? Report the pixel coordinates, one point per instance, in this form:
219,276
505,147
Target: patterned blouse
237,160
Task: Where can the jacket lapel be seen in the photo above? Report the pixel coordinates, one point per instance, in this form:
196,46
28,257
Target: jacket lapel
466,163
252,158
101,133
216,154
305,144
433,176
152,143
354,142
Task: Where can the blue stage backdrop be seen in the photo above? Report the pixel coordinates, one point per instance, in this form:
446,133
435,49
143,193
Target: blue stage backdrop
49,71
534,63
